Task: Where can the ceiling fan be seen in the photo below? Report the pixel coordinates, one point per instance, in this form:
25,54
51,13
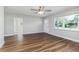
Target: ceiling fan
41,10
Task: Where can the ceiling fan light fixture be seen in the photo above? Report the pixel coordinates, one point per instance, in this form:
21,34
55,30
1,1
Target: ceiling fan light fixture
41,12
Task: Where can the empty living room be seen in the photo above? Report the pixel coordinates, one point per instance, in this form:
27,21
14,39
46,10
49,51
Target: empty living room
39,28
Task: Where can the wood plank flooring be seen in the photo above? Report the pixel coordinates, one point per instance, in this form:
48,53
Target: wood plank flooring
40,42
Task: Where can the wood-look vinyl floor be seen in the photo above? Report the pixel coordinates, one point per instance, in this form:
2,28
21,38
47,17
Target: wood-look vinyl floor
40,42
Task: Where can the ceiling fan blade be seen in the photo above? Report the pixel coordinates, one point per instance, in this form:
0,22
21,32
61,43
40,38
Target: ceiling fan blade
34,10
47,10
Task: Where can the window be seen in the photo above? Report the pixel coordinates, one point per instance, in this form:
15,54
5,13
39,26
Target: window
70,22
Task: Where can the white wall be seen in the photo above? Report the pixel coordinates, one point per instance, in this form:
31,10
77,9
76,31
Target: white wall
30,24
8,24
1,26
71,35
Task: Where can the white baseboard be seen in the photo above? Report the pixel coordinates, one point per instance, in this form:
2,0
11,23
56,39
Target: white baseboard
76,40
33,33
9,34
23,33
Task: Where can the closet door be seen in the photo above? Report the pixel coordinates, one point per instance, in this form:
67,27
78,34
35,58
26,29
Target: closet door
18,27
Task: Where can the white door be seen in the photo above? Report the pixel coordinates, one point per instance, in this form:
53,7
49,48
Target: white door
18,27
46,25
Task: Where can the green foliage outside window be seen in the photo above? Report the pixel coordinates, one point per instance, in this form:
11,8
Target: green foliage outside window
68,22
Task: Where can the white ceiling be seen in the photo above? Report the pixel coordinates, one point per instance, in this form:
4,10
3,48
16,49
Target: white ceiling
26,10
